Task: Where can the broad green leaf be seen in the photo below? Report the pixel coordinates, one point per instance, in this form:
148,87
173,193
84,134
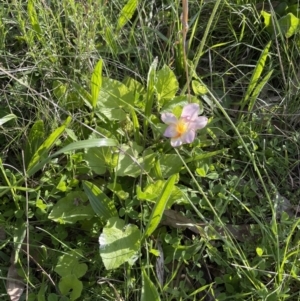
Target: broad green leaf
43,150
133,85
289,25
98,159
267,19
75,146
166,85
256,74
170,164
7,118
114,97
258,89
119,243
72,208
130,164
126,13
159,207
96,83
35,138
70,284
68,264
102,205
149,291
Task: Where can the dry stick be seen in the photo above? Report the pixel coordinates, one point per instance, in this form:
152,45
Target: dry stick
185,28
27,224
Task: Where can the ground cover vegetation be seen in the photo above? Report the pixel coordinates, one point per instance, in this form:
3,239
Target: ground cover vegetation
144,159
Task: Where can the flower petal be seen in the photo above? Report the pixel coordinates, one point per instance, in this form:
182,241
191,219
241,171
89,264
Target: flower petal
168,118
171,131
188,137
190,111
175,142
198,123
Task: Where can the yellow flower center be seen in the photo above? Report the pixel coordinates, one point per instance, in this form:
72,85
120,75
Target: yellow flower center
181,127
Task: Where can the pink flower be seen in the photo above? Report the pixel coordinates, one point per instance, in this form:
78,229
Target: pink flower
183,130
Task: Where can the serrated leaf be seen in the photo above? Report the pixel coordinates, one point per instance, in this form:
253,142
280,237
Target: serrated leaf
72,208
96,83
126,13
166,85
119,243
103,206
159,207
149,291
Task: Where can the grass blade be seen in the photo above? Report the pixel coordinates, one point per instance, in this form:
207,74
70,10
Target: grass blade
96,83
159,207
126,13
256,74
103,206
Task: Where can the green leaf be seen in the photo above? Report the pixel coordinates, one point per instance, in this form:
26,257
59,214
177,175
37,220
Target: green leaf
198,88
256,74
75,146
289,25
43,150
159,207
102,205
19,235
96,83
115,94
149,291
258,89
68,264
267,19
129,162
259,251
98,159
166,85
169,164
151,81
7,118
119,244
72,208
126,13
70,284
33,17
35,138
153,190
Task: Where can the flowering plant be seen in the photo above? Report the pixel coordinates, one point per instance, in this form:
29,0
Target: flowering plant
183,130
